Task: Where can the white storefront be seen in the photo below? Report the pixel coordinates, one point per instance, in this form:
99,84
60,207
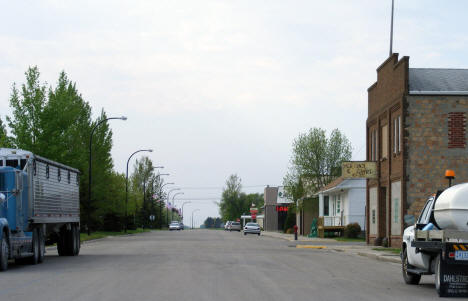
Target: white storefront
343,202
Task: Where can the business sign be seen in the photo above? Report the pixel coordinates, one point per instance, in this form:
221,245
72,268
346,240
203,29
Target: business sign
282,208
359,169
282,197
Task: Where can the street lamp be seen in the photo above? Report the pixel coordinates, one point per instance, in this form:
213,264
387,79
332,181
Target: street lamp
160,199
89,167
192,215
188,202
167,207
126,184
173,203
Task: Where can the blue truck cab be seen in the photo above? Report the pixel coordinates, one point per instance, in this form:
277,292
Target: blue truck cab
39,200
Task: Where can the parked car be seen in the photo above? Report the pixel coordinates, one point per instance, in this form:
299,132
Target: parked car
227,225
175,225
235,226
252,228
182,226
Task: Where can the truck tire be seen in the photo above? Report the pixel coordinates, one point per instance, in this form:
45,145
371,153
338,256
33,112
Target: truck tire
437,277
35,248
74,241
41,246
4,250
76,251
409,278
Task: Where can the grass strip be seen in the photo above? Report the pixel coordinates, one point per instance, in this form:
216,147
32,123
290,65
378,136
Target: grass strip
345,239
102,234
390,250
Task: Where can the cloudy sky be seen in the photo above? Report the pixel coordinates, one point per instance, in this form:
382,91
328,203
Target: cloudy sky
222,87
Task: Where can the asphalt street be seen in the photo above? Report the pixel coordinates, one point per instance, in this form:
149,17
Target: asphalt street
207,265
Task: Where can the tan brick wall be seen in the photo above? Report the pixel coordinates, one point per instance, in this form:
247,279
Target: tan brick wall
385,102
427,144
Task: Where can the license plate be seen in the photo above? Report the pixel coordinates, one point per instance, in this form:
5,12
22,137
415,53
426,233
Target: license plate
461,255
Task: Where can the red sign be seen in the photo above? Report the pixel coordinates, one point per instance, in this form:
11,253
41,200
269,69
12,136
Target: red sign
254,216
282,208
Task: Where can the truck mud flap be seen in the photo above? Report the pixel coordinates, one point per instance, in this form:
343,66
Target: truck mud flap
453,280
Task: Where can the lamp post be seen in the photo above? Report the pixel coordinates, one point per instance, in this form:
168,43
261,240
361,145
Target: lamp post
173,203
167,207
192,215
126,185
160,199
89,167
188,202
144,193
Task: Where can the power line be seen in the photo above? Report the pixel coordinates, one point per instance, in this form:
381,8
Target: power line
221,187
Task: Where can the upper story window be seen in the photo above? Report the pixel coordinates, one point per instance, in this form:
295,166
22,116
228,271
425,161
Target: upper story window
457,130
384,135
373,145
397,135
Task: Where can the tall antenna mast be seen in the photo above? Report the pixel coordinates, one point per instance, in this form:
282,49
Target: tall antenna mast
391,33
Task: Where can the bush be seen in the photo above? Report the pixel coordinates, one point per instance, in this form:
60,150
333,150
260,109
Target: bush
352,230
290,221
112,222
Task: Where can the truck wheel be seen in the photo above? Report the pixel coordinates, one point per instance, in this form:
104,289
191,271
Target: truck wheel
35,248
438,277
41,246
409,278
4,253
74,237
78,241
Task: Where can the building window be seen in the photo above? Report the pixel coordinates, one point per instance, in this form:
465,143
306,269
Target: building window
397,135
373,145
384,135
59,174
456,130
47,171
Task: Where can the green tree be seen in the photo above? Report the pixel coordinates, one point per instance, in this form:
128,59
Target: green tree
231,205
5,140
316,160
234,203
27,106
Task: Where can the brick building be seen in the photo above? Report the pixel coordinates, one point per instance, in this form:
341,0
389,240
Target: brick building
416,129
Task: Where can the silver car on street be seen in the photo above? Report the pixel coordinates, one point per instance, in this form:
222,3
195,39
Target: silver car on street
235,226
252,228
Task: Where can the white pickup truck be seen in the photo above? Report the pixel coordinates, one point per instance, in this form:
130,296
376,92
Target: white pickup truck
438,243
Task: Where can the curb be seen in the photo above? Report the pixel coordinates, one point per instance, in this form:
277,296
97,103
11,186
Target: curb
386,258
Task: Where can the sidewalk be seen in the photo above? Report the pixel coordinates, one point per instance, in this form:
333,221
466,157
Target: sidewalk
331,244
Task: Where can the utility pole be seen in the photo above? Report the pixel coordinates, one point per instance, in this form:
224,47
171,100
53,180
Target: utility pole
391,32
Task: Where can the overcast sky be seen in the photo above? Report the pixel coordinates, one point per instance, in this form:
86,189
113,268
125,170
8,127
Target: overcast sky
223,87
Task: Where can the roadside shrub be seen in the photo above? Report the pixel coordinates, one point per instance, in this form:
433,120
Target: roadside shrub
290,221
112,222
352,230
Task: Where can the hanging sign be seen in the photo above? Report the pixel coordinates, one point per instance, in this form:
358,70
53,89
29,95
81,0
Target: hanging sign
359,169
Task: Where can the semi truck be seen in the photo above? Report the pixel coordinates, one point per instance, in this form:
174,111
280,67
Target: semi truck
438,242
39,200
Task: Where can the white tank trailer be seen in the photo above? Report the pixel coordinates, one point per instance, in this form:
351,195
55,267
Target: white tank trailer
438,242
451,208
